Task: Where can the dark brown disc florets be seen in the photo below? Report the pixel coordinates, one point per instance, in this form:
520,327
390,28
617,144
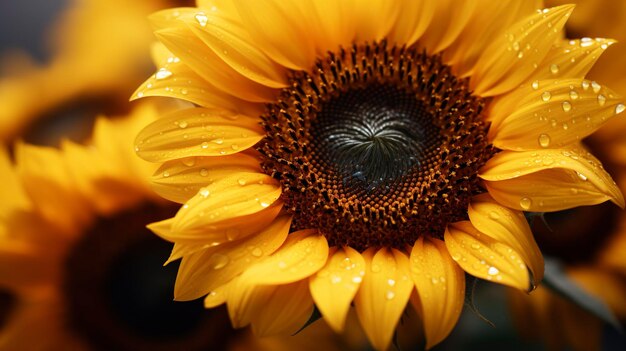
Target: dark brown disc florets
376,146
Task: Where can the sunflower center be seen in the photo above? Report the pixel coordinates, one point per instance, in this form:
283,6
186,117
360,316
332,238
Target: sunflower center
118,297
376,146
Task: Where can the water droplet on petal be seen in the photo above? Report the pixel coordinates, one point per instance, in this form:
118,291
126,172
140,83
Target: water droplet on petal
554,68
595,86
581,176
535,85
204,192
204,172
257,252
357,280
601,99
525,203
544,140
493,271
219,261
201,18
189,162
205,145
619,108
162,74
390,295
183,124
567,106
546,96
391,282
166,174
573,95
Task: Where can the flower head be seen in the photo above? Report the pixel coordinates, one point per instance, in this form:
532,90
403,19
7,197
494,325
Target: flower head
367,154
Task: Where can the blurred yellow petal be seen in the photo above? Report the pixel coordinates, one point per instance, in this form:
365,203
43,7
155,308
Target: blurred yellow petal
513,56
286,311
13,195
549,180
48,182
440,284
227,209
303,254
216,297
202,60
509,227
485,257
552,114
203,272
197,132
234,46
179,180
383,294
335,285
414,17
447,24
571,58
273,24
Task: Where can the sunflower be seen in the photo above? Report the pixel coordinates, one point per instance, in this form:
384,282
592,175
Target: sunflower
105,60
589,241
368,154
74,247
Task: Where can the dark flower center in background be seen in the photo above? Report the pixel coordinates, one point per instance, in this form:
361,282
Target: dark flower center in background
376,146
119,295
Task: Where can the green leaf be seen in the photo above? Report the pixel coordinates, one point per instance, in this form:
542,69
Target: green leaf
556,279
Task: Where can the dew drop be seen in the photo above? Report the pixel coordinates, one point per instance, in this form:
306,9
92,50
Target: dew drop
166,174
264,204
189,162
183,124
241,181
202,19
619,108
581,176
205,145
601,99
257,252
544,140
493,271
567,106
204,192
184,91
391,282
535,85
585,84
204,172
546,96
162,74
573,95
219,261
357,280
390,295
525,203
554,68
595,86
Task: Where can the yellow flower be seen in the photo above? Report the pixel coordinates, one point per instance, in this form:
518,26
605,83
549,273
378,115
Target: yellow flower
368,153
71,221
93,58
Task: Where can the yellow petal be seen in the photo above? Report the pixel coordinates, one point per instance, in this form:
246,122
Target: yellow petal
415,16
172,17
204,272
549,180
335,285
194,53
491,17
303,254
509,227
334,25
383,294
191,87
551,114
179,180
216,297
512,56
484,257
374,18
228,209
234,46
285,311
448,22
272,24
197,132
440,284
571,58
